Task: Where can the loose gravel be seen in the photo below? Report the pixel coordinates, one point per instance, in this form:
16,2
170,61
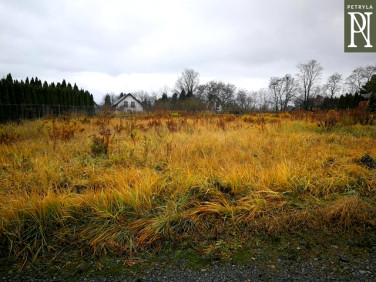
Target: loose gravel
340,265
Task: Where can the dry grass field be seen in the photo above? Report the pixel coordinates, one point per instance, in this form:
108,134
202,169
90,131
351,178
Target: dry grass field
115,184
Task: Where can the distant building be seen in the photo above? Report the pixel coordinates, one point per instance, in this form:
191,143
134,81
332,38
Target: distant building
290,108
366,96
317,101
127,102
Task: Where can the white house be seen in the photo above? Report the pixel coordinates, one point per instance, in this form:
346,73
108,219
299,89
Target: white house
128,102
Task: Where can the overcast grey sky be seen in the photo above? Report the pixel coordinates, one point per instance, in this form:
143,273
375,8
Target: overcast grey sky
124,46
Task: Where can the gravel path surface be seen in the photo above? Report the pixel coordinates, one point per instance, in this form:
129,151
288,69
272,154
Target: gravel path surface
280,262
338,267
344,269
302,272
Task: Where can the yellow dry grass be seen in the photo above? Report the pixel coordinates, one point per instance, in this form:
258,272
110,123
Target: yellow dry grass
165,178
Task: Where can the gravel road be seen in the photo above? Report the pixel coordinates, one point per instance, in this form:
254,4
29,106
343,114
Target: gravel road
337,267
282,269
293,262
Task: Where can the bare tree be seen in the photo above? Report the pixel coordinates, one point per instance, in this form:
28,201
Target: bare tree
290,87
188,81
140,94
275,87
216,93
355,80
226,93
309,76
359,77
201,92
250,103
368,72
283,90
262,99
244,100
164,90
333,84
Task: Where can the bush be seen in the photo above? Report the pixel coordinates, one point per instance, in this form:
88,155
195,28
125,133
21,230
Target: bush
360,116
98,147
328,120
8,136
372,103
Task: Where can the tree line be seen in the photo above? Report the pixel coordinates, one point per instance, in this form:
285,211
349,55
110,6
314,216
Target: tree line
33,92
335,93
304,90
32,98
188,94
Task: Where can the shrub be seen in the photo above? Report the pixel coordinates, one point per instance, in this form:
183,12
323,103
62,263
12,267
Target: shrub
155,123
100,144
360,116
8,137
98,147
118,128
328,120
372,103
64,132
172,125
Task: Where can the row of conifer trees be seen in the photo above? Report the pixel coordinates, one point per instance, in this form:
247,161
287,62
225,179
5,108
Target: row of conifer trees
33,99
33,92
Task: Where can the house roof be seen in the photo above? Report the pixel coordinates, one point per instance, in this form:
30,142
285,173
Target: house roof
125,96
366,96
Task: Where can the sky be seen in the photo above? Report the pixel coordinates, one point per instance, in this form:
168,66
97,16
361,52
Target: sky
125,46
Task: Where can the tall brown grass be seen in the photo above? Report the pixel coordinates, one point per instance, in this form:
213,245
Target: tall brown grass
169,178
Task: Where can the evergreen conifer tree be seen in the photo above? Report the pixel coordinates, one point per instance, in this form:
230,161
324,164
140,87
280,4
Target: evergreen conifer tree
182,95
5,96
372,103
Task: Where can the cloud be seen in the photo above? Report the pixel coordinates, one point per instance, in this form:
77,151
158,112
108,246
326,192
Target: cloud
112,46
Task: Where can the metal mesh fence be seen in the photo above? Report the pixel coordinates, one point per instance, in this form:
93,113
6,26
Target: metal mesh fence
19,112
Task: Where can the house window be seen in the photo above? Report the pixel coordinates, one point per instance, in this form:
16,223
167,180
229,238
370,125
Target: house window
125,104
133,105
